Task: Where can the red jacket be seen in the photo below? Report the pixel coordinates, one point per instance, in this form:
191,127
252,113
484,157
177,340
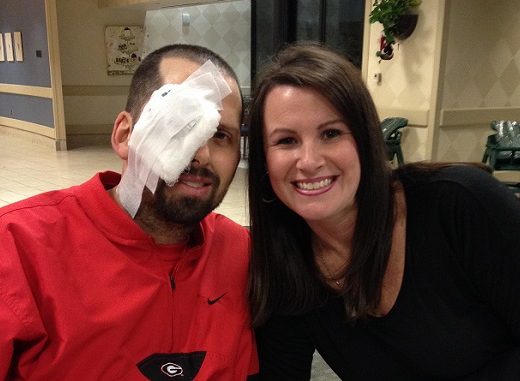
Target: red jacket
85,294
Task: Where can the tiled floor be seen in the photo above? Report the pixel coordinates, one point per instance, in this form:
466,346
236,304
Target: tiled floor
27,169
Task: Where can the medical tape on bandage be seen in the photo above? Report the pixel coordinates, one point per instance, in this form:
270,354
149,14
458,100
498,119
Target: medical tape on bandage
177,120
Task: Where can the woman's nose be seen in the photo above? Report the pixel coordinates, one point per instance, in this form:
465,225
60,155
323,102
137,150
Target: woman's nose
310,157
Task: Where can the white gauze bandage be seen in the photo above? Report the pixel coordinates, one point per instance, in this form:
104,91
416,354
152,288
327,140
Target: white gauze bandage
177,120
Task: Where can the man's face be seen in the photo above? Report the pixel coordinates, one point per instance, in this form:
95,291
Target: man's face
201,188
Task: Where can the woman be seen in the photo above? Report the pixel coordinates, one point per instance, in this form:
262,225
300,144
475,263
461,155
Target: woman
412,274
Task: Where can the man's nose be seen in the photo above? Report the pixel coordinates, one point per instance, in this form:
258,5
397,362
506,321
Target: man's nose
202,156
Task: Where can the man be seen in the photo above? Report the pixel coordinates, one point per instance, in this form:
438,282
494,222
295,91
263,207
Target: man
136,279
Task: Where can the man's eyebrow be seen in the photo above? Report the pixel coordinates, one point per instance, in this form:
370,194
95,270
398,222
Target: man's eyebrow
228,127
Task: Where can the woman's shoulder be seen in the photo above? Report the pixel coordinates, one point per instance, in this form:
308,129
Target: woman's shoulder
460,175
464,174
455,184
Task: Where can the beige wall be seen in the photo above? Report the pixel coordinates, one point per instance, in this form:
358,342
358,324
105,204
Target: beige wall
407,80
482,75
483,54
92,98
81,26
458,71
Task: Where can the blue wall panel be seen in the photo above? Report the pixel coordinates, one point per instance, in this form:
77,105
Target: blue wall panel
30,109
28,17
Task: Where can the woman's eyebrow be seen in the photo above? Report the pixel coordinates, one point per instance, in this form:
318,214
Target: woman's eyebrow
333,121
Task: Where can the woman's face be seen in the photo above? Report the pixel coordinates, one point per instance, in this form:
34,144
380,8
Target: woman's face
311,154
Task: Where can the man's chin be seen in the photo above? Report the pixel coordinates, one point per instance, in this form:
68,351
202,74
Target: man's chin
172,206
184,211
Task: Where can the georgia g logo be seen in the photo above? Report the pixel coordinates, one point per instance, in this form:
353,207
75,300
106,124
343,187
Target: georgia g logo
171,370
168,366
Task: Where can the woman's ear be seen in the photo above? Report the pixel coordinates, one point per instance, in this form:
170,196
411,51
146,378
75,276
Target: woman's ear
121,134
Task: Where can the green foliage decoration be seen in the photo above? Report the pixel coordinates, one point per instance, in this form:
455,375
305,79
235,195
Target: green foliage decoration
388,12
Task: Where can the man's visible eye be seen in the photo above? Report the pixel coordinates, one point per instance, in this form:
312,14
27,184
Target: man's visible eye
221,135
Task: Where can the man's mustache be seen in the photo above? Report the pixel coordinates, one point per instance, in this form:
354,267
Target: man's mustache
201,172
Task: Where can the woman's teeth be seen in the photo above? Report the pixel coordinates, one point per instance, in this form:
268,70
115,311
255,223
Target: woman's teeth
315,185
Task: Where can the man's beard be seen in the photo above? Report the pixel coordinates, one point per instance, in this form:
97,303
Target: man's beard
186,210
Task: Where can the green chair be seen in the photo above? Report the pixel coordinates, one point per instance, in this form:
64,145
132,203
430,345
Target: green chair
502,151
391,133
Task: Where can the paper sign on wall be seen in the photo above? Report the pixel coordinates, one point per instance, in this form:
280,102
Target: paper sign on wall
2,54
18,47
124,45
9,47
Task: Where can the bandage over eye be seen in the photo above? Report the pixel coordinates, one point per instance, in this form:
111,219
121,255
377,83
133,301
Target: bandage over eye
177,120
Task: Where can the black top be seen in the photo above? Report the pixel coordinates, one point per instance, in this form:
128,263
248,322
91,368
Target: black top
457,315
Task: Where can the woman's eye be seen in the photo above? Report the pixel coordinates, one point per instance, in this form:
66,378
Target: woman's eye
329,134
285,141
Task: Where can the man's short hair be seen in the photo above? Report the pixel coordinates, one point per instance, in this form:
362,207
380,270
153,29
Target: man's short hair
147,77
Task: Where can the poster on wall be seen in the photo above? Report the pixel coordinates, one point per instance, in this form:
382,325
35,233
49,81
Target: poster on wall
2,54
9,47
124,46
18,48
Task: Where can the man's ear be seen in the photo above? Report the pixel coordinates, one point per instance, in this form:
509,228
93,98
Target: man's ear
121,134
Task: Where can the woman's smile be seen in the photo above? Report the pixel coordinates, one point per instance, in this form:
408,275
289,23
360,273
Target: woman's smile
314,186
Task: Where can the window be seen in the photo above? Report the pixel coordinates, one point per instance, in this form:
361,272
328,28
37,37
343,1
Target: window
338,23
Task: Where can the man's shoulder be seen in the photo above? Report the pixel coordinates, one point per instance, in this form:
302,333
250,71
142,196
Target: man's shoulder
224,225
224,235
45,204
37,202
227,244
